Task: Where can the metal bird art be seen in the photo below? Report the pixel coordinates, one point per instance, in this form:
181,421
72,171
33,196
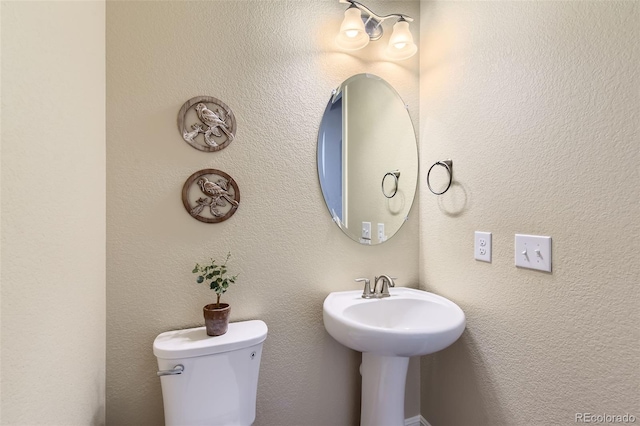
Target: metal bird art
216,122
218,193
219,190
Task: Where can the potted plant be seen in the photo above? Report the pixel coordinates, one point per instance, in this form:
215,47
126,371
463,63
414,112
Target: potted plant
216,315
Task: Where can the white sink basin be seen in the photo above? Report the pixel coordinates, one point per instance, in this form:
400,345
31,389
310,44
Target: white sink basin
388,331
409,323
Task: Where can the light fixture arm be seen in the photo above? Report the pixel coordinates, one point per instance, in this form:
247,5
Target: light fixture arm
371,14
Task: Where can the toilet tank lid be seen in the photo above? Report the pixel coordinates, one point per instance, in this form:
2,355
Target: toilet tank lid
194,342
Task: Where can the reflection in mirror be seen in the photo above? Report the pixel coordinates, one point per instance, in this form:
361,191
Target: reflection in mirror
367,159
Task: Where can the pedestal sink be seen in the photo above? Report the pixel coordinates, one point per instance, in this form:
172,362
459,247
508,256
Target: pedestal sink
388,331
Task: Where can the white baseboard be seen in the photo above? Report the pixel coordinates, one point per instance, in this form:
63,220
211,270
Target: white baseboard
416,421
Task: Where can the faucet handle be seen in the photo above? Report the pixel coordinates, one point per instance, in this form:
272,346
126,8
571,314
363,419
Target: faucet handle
366,293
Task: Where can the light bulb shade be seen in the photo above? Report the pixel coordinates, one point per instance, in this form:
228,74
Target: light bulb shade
401,45
352,34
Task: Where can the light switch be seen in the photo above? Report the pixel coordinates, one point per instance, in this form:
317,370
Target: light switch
533,252
482,246
366,230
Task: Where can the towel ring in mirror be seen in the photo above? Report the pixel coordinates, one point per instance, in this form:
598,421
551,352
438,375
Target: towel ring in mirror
396,176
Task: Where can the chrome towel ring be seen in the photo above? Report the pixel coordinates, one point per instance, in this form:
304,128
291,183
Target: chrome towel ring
396,176
447,164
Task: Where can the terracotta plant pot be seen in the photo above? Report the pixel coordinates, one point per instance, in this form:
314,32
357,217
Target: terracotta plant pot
216,319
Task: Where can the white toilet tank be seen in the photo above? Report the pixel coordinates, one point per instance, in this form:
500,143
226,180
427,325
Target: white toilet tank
219,381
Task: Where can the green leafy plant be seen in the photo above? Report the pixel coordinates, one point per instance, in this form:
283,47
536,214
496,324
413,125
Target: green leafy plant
217,275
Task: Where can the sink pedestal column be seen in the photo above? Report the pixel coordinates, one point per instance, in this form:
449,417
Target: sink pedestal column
383,384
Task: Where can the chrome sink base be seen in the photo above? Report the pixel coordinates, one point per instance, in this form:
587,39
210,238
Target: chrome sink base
383,385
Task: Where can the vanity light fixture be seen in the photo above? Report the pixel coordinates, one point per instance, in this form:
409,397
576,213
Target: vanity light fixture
360,25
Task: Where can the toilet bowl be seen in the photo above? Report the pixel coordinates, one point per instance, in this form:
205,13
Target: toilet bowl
207,380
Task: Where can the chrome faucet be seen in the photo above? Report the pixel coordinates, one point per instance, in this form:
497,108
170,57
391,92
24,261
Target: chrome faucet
387,282
368,293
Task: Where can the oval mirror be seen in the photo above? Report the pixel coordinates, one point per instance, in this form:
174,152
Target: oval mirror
367,159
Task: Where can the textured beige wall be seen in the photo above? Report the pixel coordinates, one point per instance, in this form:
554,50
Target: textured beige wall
537,103
274,64
53,213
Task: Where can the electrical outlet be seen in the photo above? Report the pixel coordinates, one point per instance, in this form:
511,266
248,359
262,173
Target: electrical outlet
381,236
482,246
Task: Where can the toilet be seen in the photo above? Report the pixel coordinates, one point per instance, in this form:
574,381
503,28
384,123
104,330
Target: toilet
210,381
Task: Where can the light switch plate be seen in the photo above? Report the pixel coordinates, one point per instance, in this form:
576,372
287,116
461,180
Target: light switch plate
482,246
533,252
366,230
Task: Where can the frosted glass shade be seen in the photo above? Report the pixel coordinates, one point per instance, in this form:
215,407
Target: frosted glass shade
401,45
352,34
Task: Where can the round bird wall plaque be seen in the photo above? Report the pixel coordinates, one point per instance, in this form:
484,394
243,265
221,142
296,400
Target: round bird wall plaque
206,123
211,196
